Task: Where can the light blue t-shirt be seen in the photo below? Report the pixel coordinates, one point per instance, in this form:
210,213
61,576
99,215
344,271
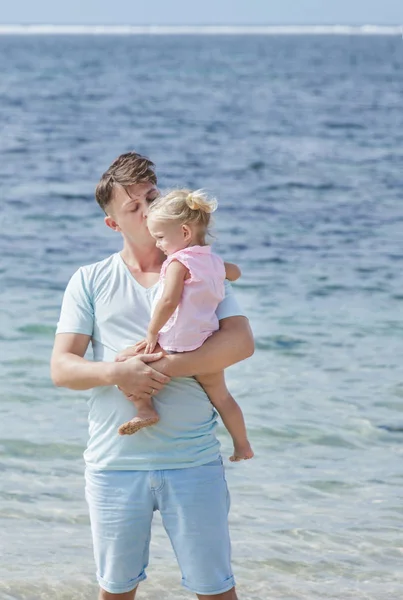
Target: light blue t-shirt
105,301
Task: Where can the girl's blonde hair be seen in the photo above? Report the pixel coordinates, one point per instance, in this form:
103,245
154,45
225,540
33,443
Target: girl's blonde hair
186,207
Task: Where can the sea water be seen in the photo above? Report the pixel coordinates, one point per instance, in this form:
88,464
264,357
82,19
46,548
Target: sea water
300,138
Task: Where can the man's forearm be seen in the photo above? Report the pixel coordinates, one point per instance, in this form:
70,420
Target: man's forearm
77,373
232,343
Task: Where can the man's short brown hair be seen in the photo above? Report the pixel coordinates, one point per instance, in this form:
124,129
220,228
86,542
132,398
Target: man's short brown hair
127,169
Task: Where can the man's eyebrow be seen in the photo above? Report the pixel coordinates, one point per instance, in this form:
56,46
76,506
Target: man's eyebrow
130,200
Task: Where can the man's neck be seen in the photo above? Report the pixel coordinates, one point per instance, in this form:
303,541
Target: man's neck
147,259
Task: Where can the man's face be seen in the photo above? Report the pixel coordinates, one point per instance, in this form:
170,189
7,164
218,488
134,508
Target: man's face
127,211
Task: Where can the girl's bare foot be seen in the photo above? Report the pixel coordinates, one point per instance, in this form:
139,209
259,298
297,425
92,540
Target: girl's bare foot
139,422
242,452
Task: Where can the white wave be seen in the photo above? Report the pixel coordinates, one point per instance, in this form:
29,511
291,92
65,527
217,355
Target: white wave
201,30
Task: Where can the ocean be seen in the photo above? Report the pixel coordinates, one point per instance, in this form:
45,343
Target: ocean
300,137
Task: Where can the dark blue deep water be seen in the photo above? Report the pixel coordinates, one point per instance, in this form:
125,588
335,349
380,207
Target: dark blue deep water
301,140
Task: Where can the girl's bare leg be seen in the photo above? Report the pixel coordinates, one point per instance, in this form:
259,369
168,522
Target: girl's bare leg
146,413
230,413
146,416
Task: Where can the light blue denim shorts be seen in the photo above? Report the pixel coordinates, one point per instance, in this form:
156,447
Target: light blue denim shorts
194,505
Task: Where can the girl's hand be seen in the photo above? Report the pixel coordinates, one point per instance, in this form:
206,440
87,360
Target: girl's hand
151,341
136,350
131,351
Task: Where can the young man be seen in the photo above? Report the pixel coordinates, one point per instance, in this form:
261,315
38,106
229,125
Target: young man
174,466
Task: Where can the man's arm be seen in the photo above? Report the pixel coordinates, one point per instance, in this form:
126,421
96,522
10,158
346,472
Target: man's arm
70,369
232,343
232,272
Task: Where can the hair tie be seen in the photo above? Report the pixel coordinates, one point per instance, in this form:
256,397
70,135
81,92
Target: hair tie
190,201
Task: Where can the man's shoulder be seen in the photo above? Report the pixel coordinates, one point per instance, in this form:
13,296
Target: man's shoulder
89,277
101,266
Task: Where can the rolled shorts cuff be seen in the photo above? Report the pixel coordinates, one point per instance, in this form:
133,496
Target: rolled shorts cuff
206,590
120,588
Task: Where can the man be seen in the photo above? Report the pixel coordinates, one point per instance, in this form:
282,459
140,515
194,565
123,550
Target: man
174,466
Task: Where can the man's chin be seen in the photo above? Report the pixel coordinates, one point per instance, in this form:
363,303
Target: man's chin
148,240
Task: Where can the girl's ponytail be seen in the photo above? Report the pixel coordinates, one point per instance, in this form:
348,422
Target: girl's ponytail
186,207
198,200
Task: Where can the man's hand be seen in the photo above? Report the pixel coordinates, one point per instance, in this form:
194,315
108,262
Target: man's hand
136,379
137,350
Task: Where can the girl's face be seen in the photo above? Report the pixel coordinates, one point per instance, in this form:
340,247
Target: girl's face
169,236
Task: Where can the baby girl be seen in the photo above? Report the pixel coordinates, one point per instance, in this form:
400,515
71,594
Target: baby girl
183,315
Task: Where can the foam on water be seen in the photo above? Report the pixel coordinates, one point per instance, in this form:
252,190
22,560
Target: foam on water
47,29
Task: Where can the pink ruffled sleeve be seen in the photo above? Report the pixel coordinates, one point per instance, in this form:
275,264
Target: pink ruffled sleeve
186,259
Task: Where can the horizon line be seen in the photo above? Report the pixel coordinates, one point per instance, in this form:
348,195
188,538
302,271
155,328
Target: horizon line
336,29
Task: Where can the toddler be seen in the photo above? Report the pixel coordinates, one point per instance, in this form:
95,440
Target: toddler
183,314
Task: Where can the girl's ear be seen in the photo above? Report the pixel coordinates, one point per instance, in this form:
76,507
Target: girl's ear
187,232
109,222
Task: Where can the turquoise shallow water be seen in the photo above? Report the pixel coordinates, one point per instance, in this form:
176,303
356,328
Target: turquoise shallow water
301,140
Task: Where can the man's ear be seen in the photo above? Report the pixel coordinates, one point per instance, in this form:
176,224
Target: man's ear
110,222
187,232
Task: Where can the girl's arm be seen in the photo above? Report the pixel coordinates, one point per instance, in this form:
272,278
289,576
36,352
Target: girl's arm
232,272
173,288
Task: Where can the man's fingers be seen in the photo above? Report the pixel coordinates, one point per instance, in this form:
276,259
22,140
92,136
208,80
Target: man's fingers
156,386
134,397
125,355
152,389
130,352
122,358
142,396
160,377
151,357
140,345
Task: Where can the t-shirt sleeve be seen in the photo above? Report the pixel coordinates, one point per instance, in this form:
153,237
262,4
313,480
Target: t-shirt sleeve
77,312
229,306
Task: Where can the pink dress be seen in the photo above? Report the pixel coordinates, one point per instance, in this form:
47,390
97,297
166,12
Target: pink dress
194,319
